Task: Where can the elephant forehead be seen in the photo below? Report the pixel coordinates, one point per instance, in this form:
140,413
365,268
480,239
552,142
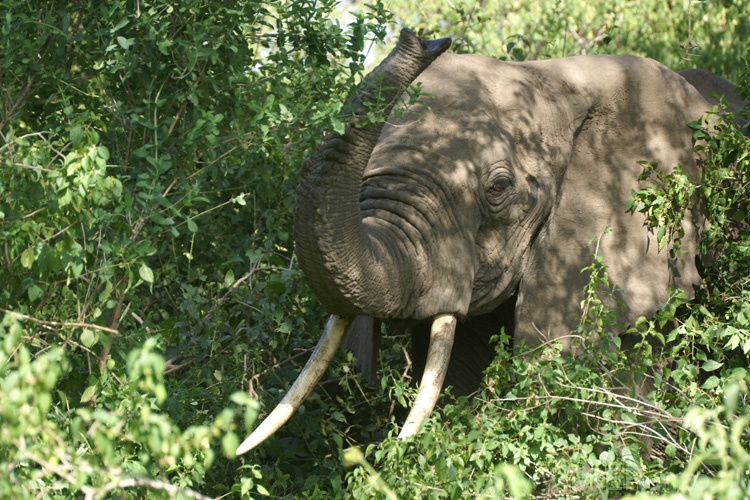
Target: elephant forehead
448,133
477,108
444,133
466,77
422,161
475,89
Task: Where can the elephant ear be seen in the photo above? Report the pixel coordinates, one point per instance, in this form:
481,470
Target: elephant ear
636,110
711,85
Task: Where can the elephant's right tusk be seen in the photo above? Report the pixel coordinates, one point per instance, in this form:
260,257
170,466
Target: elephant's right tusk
308,378
438,357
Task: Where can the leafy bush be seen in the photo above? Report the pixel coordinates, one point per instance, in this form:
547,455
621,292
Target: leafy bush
150,153
51,444
710,35
153,307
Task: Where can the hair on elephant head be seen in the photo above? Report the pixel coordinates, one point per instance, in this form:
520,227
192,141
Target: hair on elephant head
481,203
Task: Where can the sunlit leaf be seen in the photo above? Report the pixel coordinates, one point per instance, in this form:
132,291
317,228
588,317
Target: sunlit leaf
146,273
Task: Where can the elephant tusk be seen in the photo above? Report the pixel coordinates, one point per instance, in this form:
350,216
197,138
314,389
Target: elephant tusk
308,378
438,357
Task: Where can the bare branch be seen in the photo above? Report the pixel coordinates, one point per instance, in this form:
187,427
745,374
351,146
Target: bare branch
60,323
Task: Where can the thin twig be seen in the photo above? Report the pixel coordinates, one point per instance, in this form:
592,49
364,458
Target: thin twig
121,482
256,377
151,483
32,167
404,376
21,97
171,366
60,323
113,324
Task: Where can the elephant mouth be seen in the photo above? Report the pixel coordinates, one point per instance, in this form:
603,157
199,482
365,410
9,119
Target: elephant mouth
438,356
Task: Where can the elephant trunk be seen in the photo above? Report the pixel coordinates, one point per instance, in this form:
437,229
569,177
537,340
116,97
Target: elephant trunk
355,269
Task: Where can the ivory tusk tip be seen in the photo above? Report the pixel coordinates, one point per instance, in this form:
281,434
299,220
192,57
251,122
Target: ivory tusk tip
246,446
251,442
314,369
271,424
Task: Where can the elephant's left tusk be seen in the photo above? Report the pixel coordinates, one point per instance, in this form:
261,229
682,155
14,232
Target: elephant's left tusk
438,356
308,378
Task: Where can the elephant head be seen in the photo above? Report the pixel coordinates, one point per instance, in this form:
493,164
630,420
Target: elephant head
490,190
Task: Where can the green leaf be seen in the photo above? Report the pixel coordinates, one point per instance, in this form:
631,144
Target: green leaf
34,292
125,43
161,220
27,258
120,24
662,237
246,483
88,393
103,152
338,440
191,225
229,443
146,273
338,126
711,365
76,135
711,383
88,337
229,278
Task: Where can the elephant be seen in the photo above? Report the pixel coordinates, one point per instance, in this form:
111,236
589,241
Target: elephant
476,206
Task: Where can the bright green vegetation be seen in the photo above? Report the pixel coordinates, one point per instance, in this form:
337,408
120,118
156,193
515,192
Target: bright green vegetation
149,154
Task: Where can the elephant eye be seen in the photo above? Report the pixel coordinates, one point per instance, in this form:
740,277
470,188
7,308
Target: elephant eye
499,185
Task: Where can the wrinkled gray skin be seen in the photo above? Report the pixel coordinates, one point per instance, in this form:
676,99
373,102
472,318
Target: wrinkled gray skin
484,204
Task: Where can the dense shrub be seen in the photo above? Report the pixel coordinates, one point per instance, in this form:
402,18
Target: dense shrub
152,304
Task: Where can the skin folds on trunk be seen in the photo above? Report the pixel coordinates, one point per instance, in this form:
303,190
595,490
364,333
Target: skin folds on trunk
352,268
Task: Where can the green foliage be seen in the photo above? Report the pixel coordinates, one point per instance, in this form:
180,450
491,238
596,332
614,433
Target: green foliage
721,449
149,156
149,153
712,35
114,438
664,204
